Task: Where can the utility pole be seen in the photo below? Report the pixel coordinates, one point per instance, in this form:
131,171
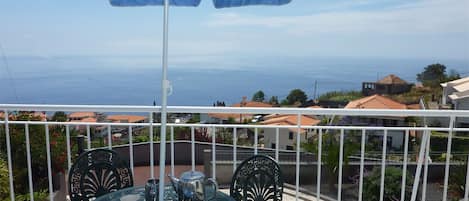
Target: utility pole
315,89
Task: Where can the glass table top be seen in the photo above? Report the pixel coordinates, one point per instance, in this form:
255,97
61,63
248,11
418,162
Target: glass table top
137,193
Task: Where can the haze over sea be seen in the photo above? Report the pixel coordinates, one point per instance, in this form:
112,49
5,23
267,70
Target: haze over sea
136,80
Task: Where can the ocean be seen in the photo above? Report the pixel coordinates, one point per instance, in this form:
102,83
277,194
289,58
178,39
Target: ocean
107,80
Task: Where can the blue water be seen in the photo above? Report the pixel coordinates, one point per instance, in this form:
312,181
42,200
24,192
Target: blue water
93,80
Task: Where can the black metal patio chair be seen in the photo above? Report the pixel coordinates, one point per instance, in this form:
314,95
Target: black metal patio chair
96,173
258,178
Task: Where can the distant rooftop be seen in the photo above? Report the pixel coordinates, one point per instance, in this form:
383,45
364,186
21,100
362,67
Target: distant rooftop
81,114
457,82
87,119
375,102
252,104
392,79
126,118
461,87
290,120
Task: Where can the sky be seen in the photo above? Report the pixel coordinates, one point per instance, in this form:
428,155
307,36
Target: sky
434,29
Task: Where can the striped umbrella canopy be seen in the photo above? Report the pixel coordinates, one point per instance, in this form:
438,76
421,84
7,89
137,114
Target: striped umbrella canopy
165,84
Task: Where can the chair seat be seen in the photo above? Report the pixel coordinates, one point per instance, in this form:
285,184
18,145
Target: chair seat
96,173
258,178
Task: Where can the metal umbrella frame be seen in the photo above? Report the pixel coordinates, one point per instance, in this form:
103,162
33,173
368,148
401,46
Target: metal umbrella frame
165,84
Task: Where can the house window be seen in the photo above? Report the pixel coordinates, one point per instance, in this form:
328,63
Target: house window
289,147
290,135
273,146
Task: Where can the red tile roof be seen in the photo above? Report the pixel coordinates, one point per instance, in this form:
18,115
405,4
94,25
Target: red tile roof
252,104
375,102
290,120
81,114
89,119
126,118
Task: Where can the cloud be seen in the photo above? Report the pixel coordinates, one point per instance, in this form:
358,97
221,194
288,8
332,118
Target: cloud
423,17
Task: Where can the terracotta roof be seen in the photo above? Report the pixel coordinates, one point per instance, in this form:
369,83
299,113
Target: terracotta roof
89,119
392,79
290,120
81,114
414,107
126,118
2,116
375,102
315,107
41,115
252,104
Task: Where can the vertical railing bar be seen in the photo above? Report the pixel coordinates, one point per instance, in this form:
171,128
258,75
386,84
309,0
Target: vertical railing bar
256,134
172,150
88,136
49,165
10,165
383,165
298,137
404,168
131,150
109,137
235,143
318,178
69,150
28,159
341,158
277,143
419,166
152,157
193,148
466,190
448,157
214,149
362,165
425,170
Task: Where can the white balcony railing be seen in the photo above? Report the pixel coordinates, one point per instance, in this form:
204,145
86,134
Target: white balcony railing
361,158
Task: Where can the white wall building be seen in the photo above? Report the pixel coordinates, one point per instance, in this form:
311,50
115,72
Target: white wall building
287,136
456,93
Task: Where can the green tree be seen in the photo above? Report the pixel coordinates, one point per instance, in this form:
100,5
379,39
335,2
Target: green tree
37,144
435,74
331,151
259,96
273,100
341,95
59,116
296,96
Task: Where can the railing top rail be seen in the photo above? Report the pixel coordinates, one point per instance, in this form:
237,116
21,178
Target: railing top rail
199,125
241,110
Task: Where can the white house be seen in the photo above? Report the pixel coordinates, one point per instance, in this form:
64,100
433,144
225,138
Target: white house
287,137
395,138
456,93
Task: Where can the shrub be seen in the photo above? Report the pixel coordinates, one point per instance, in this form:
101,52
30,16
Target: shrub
4,184
392,182
458,180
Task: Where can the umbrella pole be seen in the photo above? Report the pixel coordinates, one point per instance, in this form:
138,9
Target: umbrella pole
164,97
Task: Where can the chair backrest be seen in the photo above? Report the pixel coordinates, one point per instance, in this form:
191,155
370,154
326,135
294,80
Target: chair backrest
96,173
257,178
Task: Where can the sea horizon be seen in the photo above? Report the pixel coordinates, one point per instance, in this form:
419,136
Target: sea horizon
136,80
